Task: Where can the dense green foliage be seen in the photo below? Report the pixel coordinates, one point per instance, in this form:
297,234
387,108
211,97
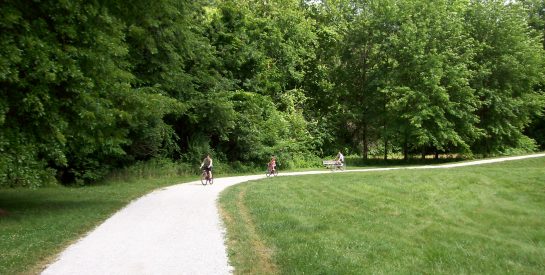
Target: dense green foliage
478,220
90,86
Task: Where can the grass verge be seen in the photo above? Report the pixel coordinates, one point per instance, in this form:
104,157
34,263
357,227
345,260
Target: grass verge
481,219
40,223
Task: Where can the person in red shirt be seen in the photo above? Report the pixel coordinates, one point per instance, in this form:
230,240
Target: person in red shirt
272,164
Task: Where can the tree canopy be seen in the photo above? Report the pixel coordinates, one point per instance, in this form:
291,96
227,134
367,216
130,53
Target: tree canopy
91,86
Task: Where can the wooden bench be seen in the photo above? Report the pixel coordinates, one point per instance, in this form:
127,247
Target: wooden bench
332,164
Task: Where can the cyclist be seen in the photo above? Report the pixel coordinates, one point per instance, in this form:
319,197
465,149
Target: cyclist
272,164
207,165
340,159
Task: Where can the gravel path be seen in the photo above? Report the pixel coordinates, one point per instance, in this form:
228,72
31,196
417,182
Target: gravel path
174,230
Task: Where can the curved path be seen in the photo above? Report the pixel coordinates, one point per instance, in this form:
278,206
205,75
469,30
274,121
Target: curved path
173,230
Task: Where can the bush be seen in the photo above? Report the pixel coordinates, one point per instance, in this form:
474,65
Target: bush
20,167
199,146
154,168
524,145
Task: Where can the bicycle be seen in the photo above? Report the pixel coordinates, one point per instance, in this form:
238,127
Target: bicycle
339,166
271,171
205,177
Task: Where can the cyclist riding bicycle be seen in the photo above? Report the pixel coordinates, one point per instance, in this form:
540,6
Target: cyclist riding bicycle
272,164
340,159
207,165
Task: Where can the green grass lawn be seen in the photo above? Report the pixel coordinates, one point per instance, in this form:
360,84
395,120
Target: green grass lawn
42,222
486,219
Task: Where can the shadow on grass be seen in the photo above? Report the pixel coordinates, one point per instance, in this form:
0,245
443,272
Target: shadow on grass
23,204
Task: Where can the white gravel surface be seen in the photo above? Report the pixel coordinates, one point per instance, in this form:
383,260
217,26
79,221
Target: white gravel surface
174,230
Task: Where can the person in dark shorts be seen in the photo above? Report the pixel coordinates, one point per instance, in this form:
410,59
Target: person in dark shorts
207,165
339,159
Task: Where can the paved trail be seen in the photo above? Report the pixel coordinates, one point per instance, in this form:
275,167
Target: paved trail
174,230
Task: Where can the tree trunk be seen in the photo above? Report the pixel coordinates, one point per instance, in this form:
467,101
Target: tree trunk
385,148
365,143
406,149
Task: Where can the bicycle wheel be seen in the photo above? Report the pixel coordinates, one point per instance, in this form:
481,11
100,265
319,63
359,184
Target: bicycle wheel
210,180
275,172
268,173
204,180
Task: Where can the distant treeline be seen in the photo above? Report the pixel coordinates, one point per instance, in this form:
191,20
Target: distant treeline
91,86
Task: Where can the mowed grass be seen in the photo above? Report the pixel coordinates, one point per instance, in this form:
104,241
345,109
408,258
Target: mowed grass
486,219
42,222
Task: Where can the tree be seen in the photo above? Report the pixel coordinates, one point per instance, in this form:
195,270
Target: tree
67,102
406,75
508,65
262,50
536,20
